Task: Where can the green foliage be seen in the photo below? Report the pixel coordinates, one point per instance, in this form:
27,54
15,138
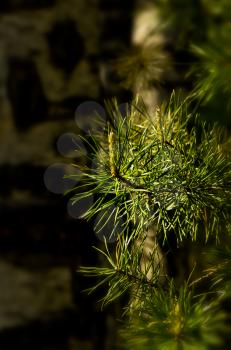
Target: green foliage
178,14
174,319
170,169
201,51
213,69
213,72
124,272
156,169
221,271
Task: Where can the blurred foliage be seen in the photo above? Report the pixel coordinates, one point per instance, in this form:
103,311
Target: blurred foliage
143,67
189,46
174,319
203,27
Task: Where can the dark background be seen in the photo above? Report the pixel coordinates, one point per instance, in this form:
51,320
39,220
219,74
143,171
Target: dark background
54,55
